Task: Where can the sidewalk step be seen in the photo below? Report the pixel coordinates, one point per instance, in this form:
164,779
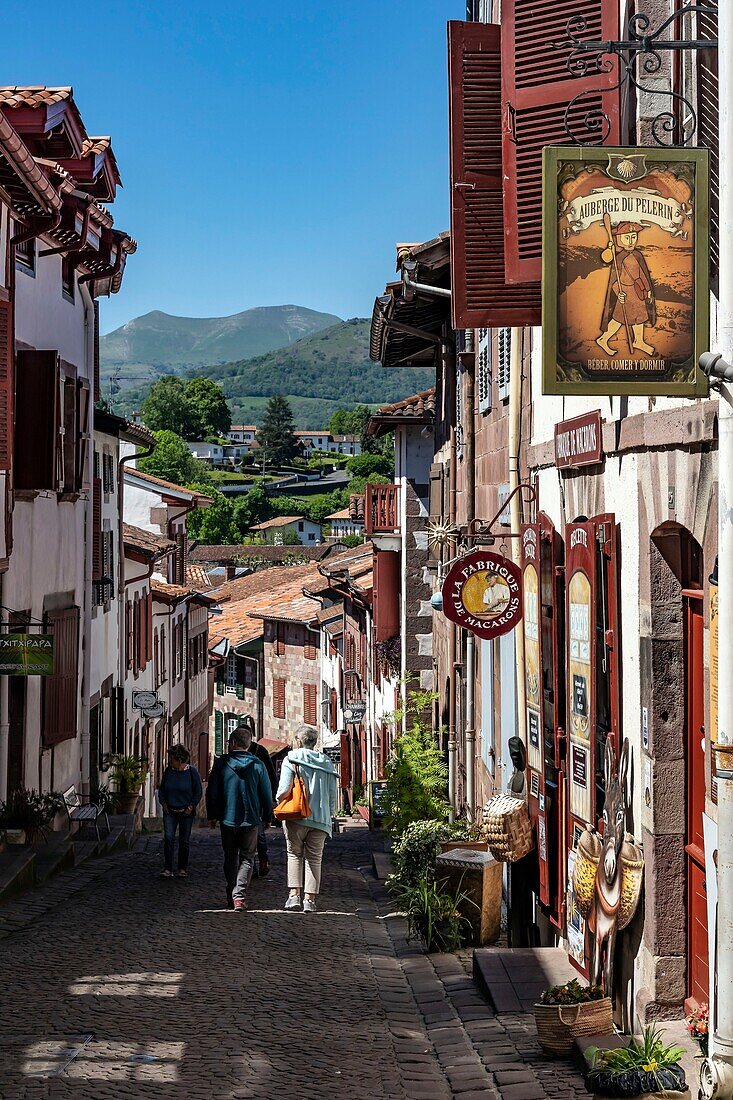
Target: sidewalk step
52,858
382,865
514,977
117,840
17,870
86,849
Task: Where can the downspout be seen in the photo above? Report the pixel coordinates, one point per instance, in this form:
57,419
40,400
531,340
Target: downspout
468,363
716,1075
515,423
449,375
86,779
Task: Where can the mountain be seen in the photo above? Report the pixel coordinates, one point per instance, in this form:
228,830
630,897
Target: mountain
328,370
158,343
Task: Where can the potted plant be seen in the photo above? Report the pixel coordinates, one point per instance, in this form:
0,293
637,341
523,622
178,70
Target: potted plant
127,773
697,1024
643,1067
433,916
28,814
565,1012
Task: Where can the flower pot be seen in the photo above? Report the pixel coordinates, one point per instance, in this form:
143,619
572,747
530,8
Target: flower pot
558,1026
664,1082
126,802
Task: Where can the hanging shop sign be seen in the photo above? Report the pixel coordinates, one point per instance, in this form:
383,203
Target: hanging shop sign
353,713
482,592
579,442
26,654
625,280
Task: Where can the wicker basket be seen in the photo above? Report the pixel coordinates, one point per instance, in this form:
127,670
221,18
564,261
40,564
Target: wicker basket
632,875
507,828
587,855
558,1026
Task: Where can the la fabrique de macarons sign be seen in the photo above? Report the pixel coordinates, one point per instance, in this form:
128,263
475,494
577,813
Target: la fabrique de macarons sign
482,592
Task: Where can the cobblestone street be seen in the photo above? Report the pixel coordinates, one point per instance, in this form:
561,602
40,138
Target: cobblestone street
115,983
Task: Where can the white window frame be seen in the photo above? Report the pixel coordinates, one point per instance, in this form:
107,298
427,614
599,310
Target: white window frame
230,676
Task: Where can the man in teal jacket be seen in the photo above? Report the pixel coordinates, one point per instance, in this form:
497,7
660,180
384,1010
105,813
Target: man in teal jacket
239,797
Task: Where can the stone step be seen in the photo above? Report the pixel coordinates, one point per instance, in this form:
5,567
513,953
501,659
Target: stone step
86,849
117,840
17,870
55,855
382,865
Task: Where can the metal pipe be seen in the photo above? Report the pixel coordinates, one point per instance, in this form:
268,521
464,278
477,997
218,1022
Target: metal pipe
716,1075
437,291
449,374
515,422
468,364
87,570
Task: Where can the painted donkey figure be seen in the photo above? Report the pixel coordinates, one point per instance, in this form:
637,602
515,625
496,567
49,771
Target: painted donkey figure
608,882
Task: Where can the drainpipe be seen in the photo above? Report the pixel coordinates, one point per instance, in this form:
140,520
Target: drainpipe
468,367
449,374
515,424
716,1075
86,779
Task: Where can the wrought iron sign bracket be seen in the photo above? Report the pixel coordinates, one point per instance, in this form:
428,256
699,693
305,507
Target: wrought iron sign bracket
479,533
639,58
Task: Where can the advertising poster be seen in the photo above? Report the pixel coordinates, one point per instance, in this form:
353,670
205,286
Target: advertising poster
580,683
625,253
532,665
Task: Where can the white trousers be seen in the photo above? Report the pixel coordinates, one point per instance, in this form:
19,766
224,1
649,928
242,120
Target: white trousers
305,846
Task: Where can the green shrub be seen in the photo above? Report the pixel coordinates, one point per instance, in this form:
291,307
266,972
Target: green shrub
433,916
415,853
416,773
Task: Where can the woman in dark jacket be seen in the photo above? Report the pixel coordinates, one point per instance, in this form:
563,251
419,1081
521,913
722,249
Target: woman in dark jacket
179,793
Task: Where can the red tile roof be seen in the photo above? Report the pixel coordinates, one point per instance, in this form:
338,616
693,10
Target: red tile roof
241,600
343,514
145,542
278,521
170,593
200,499
419,408
244,553
95,145
33,95
198,578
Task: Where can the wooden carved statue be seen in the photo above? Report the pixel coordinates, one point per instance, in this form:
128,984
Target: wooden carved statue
608,873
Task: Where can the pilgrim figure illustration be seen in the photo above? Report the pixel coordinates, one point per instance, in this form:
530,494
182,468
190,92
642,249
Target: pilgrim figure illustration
630,302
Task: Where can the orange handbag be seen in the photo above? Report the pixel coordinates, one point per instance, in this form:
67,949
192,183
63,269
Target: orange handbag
295,805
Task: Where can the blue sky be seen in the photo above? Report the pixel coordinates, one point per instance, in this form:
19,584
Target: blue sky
271,152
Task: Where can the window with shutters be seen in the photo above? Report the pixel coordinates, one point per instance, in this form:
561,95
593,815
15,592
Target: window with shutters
156,659
310,649
163,656
537,90
232,721
278,697
129,646
7,383
483,380
459,414
230,679
95,354
218,733
97,572
84,434
279,639
37,420
503,362
179,557
310,704
25,253
481,295
69,425
67,279
60,691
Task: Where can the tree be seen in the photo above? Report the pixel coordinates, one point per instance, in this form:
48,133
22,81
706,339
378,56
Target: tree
253,507
215,525
209,406
173,461
359,484
366,465
276,436
167,409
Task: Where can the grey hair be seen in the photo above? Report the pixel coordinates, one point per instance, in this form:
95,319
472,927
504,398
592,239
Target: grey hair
307,736
241,737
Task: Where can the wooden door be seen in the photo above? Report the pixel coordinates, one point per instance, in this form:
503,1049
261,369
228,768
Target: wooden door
698,977
16,732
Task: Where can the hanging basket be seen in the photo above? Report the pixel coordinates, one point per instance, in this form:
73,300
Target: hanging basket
507,828
558,1026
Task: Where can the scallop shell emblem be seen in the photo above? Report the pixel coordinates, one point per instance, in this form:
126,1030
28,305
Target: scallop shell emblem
626,168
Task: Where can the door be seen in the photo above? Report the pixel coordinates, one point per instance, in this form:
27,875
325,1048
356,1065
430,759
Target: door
698,977
16,733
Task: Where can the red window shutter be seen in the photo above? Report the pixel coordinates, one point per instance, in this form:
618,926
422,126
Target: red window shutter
311,647
84,435
708,126
37,420
386,594
97,530
481,297
97,384
60,690
180,557
310,704
149,627
7,379
129,633
536,90
278,697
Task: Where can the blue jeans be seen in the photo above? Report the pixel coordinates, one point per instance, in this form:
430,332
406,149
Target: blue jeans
184,824
240,846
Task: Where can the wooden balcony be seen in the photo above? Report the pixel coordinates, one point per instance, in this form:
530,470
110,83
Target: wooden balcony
381,515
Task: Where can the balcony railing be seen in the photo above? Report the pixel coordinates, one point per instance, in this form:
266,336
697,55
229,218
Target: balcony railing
381,510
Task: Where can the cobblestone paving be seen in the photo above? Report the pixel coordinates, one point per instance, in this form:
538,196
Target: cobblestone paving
115,983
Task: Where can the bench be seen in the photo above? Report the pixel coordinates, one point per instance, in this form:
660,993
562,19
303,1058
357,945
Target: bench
81,812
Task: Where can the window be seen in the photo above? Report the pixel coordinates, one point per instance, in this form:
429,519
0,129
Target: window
25,255
504,349
301,526
67,279
69,441
484,371
232,721
310,648
279,639
231,673
459,414
163,662
278,697
60,690
310,704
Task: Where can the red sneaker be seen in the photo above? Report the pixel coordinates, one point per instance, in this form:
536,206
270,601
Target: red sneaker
240,905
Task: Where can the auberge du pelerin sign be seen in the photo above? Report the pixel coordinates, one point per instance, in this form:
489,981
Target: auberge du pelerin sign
482,592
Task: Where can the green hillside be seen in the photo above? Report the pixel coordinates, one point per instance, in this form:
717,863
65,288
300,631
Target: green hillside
332,366
158,343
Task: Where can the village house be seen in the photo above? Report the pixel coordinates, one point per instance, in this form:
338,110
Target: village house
243,433
323,442
284,530
60,253
343,523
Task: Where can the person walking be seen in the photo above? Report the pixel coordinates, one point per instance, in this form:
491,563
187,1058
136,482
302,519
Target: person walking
239,797
306,838
179,794
263,859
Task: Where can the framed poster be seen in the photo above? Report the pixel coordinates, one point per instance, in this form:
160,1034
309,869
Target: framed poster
625,270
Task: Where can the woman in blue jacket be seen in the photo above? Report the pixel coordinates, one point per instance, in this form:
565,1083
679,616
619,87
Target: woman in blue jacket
179,793
306,838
